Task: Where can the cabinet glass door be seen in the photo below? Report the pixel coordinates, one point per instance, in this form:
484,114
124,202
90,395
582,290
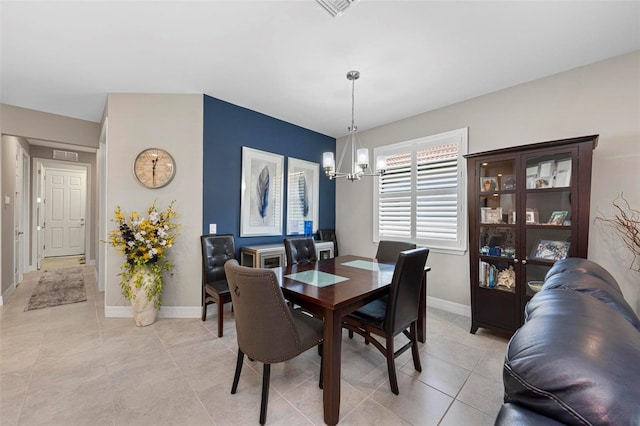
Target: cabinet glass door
547,215
497,242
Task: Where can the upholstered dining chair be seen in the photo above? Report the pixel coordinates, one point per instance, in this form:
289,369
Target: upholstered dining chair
394,314
267,330
329,234
388,250
216,250
300,250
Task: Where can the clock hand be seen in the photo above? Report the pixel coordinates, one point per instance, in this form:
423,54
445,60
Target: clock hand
153,171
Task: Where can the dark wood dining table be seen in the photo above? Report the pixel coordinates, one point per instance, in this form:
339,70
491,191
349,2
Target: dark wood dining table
331,289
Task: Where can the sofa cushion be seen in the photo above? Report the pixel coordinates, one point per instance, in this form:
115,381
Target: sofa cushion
512,415
594,287
575,360
586,266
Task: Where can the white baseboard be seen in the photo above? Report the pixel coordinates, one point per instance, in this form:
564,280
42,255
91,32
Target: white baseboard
445,305
165,312
7,294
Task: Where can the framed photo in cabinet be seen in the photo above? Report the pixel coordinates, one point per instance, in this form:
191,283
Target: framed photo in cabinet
488,184
550,250
557,217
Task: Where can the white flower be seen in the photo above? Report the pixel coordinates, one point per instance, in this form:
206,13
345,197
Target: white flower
163,242
131,243
138,236
154,217
143,232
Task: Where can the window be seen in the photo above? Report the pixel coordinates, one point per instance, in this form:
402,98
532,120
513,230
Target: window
422,196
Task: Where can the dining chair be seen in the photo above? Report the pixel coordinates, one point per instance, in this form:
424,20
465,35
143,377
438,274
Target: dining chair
267,329
393,314
300,250
329,234
216,250
388,250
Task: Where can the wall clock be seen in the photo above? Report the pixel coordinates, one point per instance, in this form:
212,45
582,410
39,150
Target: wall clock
154,167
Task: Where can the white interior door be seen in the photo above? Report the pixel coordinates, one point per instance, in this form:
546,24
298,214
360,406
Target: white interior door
65,205
39,205
18,222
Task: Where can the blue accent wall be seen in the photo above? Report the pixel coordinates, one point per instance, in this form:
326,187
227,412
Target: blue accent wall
227,128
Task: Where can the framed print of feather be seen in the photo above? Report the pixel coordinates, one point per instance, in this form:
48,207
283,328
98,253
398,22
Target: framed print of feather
261,198
302,195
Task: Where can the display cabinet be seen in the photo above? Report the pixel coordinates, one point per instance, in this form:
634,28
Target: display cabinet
528,208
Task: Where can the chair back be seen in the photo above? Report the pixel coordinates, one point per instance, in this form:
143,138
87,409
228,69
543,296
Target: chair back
300,250
264,324
329,234
216,250
388,250
404,294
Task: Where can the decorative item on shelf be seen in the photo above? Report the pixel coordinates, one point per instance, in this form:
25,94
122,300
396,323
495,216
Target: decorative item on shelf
144,241
507,278
509,252
358,156
550,250
488,183
535,285
508,182
557,217
626,222
495,251
543,182
532,217
491,215
562,178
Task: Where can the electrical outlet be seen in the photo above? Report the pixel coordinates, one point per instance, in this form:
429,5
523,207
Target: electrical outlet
213,228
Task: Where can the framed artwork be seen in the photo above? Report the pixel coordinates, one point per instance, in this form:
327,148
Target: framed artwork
558,217
488,184
261,198
302,195
550,250
508,182
491,214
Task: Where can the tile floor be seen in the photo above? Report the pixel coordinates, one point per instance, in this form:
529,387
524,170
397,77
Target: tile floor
68,365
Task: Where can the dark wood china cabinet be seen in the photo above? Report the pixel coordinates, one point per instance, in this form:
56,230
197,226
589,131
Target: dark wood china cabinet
528,207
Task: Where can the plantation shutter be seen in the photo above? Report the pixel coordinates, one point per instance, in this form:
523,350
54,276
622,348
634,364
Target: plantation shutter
436,192
421,197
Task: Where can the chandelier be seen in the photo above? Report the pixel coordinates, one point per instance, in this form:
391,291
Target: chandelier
359,156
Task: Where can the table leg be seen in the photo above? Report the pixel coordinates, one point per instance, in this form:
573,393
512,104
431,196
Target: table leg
332,347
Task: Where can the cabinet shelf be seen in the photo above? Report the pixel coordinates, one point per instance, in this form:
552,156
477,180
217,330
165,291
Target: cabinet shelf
512,196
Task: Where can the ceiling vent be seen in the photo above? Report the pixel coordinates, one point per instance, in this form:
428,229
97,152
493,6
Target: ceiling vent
65,155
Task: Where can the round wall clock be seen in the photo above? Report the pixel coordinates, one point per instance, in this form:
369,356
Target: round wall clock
154,167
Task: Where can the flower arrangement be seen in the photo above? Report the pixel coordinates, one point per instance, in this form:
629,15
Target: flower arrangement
144,241
626,222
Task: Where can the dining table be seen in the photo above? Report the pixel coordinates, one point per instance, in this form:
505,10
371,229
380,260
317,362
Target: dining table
330,289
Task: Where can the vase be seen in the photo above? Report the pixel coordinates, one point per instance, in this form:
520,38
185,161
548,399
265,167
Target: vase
144,310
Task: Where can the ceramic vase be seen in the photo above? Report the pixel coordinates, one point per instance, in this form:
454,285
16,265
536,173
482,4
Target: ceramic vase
144,310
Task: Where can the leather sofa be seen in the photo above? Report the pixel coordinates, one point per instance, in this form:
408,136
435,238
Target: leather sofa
576,359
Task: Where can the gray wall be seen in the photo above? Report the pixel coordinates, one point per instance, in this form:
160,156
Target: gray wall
602,98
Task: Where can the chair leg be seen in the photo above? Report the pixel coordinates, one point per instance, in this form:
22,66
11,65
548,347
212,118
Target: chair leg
320,383
220,316
204,312
414,347
350,334
236,378
391,365
266,375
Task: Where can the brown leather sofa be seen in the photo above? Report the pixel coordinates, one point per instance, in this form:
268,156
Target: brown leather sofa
576,360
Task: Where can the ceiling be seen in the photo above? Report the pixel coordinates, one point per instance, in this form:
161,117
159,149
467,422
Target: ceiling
289,59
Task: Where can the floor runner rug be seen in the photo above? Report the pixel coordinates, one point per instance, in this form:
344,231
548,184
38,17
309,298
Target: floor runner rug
58,287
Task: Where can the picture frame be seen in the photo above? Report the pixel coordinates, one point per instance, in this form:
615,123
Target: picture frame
303,195
508,182
543,182
550,250
563,174
531,217
261,193
488,183
557,217
491,215
546,168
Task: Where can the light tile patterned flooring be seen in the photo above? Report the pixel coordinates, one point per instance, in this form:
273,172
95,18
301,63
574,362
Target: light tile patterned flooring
68,365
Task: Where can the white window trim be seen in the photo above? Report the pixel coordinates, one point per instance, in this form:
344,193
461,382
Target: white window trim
461,243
